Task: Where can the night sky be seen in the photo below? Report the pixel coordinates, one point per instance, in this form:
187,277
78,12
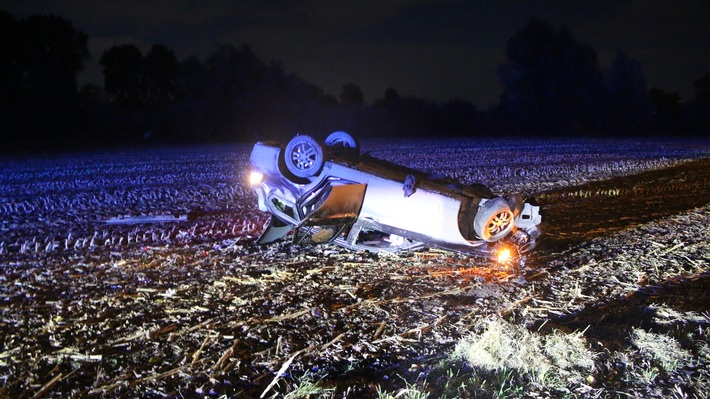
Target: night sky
437,50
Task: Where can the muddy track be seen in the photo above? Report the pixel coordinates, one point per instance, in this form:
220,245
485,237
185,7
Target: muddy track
576,214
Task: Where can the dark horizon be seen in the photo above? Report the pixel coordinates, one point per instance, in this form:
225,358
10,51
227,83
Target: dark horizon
426,49
550,83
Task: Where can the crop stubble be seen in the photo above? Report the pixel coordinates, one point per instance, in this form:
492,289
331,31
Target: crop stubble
193,309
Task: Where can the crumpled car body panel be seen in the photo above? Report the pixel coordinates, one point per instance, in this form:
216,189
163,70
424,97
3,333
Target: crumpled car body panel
363,203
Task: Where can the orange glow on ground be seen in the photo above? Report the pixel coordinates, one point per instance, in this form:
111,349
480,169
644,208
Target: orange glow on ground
504,255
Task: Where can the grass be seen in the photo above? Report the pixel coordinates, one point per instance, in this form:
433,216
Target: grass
410,391
307,387
569,351
665,350
505,360
550,361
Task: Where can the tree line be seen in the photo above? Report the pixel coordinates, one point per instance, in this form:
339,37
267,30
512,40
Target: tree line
552,86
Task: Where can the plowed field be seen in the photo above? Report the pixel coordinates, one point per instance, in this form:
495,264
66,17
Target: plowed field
183,307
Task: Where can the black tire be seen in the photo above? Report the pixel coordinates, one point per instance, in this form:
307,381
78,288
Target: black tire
340,139
481,190
303,156
494,220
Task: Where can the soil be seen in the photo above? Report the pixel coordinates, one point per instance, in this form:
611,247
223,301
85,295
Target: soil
576,214
212,315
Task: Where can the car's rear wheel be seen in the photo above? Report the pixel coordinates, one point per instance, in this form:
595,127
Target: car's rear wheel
480,190
303,156
343,139
494,220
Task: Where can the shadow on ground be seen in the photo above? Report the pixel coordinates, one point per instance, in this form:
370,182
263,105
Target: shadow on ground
610,322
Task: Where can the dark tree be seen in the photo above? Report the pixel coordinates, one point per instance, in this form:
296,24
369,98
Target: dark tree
188,111
94,107
191,78
10,75
628,103
233,95
234,72
142,88
123,68
457,118
394,116
552,84
352,95
41,58
295,105
233,76
667,112
135,80
698,113
55,52
159,73
702,88
391,96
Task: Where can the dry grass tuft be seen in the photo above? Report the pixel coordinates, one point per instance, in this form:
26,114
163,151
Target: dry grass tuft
545,360
569,351
307,388
665,350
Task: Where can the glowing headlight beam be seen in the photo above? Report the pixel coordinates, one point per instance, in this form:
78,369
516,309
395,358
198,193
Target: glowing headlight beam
255,178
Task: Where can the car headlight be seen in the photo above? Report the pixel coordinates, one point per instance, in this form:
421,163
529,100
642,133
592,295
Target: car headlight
255,177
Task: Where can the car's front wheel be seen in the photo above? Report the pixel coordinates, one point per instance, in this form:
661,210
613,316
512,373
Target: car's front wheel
303,156
494,220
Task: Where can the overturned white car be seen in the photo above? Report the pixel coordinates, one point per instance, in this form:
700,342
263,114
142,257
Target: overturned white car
329,192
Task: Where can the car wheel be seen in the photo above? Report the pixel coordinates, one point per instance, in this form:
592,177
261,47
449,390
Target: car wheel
494,220
340,138
303,156
481,191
